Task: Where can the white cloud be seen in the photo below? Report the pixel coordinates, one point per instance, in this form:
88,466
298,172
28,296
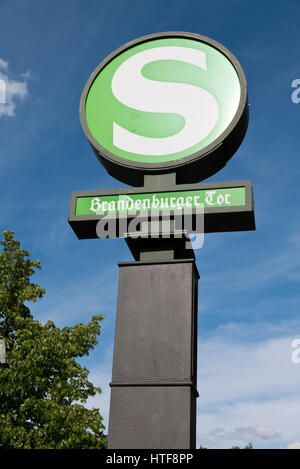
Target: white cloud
240,435
29,75
255,433
3,64
294,445
101,401
229,370
11,90
247,393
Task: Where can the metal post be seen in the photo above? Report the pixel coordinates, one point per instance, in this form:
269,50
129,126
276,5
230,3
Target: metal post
154,378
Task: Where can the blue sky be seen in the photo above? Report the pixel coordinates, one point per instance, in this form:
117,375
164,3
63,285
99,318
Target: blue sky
249,297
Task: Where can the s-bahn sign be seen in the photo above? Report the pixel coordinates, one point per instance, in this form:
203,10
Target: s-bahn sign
164,112
168,102
226,206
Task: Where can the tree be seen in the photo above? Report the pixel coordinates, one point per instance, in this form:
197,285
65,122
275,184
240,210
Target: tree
43,388
248,446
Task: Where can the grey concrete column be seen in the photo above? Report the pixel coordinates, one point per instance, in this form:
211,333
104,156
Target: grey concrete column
154,377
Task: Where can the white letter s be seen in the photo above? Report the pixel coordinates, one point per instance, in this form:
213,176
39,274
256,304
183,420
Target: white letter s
198,107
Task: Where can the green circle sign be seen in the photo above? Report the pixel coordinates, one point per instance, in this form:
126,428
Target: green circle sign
161,103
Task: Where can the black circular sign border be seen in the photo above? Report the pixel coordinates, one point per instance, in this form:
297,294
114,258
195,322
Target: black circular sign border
192,168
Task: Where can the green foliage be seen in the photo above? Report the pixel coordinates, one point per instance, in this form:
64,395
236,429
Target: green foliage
248,446
43,389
